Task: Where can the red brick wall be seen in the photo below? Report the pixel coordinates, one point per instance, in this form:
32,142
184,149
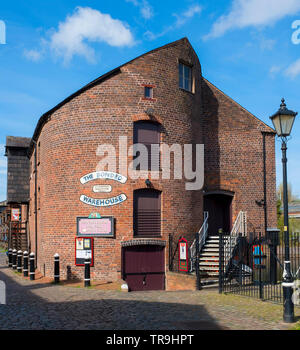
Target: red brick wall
68,143
234,156
99,115
180,281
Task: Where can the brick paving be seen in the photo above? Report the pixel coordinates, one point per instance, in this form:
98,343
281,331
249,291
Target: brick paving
34,305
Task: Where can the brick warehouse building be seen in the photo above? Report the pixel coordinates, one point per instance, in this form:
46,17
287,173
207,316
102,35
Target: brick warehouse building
159,97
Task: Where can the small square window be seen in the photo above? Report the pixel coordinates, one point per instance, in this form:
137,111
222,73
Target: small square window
185,77
148,92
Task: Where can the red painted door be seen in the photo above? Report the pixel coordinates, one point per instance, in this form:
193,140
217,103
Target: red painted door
144,267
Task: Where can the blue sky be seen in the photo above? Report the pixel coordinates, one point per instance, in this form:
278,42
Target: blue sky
247,48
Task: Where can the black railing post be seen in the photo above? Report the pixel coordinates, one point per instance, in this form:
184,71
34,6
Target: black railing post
261,292
170,253
25,264
56,268
87,275
240,263
273,238
14,259
197,263
9,257
32,269
221,267
19,261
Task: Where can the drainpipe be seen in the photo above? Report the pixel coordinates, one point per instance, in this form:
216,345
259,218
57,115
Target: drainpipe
265,181
35,201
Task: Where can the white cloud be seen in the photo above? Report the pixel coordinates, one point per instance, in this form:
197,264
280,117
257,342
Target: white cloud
189,13
274,70
245,13
146,9
180,21
267,44
33,55
84,26
293,70
87,24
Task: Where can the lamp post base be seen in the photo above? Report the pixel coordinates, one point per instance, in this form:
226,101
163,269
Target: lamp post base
288,307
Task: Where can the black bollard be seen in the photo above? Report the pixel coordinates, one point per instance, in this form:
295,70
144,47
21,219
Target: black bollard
56,268
87,278
14,259
32,270
19,261
25,264
9,257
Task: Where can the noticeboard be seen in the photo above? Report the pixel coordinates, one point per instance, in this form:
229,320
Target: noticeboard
183,255
95,227
84,248
15,214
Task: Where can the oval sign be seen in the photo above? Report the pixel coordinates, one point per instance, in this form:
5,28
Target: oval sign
103,202
102,188
108,175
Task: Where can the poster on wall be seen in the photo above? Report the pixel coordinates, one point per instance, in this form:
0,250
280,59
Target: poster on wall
84,248
95,227
183,255
15,214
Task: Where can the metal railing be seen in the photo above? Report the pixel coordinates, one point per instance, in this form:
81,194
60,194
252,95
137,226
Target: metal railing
239,229
257,268
203,232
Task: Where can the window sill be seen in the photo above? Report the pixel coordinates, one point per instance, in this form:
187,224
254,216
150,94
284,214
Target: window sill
188,91
146,237
149,99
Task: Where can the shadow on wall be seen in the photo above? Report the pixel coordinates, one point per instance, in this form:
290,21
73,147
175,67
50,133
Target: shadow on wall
39,306
210,119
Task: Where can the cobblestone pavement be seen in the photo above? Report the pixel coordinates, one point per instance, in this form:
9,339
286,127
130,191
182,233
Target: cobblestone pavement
33,305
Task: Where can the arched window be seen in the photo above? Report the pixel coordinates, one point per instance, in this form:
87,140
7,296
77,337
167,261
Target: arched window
147,213
148,133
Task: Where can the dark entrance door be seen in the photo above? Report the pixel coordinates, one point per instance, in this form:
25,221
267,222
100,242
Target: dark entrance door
219,211
144,267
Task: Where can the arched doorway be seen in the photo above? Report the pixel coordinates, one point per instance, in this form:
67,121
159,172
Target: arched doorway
218,206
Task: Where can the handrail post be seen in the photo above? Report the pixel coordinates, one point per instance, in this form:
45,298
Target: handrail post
197,267
220,261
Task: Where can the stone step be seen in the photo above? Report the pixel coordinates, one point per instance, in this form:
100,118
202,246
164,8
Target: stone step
209,258
209,254
209,274
207,250
217,237
204,266
210,262
209,268
213,241
211,245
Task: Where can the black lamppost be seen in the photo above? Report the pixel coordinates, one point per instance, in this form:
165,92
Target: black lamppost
283,122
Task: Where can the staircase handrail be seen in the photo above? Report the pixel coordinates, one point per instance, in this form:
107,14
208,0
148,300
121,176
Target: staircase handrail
202,239
239,228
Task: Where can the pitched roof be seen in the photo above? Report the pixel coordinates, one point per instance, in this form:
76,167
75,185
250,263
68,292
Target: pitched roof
44,118
269,129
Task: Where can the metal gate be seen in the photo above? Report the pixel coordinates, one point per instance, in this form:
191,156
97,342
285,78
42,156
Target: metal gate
255,265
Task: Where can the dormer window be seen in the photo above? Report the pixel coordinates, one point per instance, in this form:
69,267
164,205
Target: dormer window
185,77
